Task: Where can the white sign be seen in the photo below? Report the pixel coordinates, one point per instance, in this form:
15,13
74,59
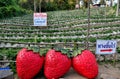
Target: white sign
106,46
40,19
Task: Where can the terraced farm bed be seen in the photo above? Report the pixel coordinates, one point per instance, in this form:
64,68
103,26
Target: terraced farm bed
67,27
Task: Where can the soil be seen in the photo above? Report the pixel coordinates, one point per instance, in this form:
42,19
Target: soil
106,71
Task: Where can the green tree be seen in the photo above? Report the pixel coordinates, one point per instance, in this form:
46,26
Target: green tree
86,3
9,8
102,2
4,3
27,4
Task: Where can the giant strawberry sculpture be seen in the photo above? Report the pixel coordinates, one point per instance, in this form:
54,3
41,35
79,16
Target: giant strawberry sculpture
28,63
85,64
56,64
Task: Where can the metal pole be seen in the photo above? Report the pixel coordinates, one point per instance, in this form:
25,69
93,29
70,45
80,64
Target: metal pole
88,28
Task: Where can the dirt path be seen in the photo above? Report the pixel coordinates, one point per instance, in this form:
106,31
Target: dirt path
108,71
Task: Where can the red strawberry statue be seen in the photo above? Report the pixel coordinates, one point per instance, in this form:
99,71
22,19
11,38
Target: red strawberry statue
28,63
56,64
85,64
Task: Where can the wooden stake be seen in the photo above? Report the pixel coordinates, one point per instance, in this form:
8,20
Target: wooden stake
117,11
88,28
34,5
40,6
114,59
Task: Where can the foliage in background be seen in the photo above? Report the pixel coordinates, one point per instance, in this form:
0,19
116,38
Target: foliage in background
48,5
86,3
112,10
102,2
10,8
5,3
26,4
57,5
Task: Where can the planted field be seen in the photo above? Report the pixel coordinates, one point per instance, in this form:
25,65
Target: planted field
64,27
67,28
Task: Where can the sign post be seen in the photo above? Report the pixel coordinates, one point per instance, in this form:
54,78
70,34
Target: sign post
40,19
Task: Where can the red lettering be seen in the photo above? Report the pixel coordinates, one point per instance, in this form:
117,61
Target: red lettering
40,15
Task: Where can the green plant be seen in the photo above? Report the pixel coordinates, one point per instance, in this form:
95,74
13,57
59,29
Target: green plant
118,50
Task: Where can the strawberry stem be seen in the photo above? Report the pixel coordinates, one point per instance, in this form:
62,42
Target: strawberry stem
35,39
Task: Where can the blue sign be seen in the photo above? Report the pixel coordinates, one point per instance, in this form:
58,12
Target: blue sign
106,46
40,19
5,68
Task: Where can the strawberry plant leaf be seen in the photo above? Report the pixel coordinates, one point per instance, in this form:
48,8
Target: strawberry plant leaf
67,52
79,51
76,52
29,48
64,51
57,48
36,49
43,52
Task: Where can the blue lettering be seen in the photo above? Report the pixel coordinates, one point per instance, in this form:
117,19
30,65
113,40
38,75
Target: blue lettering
107,45
38,21
99,46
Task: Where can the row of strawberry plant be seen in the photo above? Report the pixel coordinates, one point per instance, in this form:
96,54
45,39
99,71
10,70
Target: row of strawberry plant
65,33
17,30
67,39
27,28
68,34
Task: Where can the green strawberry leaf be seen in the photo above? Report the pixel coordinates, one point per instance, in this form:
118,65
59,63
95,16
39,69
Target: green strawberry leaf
63,50
79,51
29,48
36,49
69,55
66,51
57,49
76,52
43,52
